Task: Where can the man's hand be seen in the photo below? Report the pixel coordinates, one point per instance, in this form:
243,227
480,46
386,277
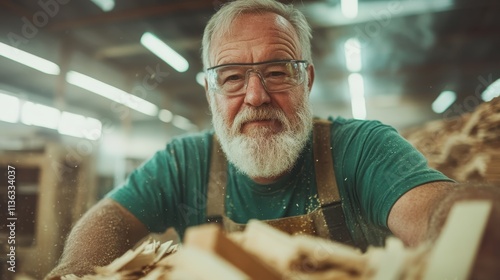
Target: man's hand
104,233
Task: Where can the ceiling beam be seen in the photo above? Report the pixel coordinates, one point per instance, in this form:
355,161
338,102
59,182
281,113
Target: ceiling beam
133,14
143,12
15,9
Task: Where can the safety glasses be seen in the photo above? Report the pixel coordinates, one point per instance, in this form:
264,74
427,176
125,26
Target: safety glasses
275,76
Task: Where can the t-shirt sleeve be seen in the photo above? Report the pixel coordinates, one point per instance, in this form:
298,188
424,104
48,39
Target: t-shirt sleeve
386,167
150,192
169,190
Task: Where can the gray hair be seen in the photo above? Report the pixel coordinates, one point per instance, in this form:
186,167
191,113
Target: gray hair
223,19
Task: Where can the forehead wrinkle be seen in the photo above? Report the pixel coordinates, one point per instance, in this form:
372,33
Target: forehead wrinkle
282,50
232,50
279,34
288,33
287,29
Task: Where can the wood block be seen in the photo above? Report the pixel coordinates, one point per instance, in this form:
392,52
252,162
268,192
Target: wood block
487,264
391,265
462,232
210,238
205,265
321,254
272,246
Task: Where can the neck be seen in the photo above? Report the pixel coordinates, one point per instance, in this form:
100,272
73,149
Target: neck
268,180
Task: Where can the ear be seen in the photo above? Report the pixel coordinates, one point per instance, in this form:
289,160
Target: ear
310,73
206,91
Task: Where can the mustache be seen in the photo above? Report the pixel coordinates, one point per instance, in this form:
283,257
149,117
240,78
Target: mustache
258,114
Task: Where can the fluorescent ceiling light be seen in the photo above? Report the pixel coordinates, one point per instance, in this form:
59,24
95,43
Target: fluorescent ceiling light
444,101
40,115
163,51
491,91
9,108
200,79
352,49
357,90
45,116
182,123
93,129
112,93
71,124
29,60
165,116
349,8
79,126
105,5
326,14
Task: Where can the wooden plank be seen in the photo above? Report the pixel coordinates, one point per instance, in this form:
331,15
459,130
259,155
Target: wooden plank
488,256
210,238
463,230
205,265
392,261
274,247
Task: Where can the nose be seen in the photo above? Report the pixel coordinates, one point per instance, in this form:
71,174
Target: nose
256,93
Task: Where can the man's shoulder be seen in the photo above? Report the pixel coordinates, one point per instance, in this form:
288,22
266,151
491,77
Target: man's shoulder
355,125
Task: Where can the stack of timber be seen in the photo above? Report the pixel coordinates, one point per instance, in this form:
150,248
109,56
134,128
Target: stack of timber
465,148
262,252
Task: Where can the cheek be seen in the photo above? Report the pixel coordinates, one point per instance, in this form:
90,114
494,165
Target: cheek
228,107
290,103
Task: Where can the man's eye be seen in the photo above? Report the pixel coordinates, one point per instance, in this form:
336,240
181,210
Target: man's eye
275,74
233,78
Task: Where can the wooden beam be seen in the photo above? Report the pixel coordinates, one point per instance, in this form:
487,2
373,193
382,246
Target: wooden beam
210,238
16,9
144,12
132,14
464,230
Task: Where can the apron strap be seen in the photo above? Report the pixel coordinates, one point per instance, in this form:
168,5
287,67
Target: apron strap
216,183
332,214
326,183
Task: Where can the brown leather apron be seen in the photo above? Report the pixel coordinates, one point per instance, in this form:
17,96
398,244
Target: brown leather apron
326,221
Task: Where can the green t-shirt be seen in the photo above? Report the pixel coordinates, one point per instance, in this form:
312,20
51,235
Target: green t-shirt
373,164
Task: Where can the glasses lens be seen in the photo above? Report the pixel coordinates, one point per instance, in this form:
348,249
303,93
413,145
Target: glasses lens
277,76
231,79
281,76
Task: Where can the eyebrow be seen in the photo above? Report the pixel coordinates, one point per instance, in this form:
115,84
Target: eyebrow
256,63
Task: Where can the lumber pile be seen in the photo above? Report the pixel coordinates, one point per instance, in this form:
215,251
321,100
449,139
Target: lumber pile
262,252
465,148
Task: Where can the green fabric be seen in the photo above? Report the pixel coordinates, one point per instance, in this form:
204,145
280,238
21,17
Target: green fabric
374,166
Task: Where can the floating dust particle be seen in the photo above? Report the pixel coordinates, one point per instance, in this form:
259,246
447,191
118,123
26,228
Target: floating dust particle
311,205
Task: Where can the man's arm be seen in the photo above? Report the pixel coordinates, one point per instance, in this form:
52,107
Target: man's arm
104,233
421,212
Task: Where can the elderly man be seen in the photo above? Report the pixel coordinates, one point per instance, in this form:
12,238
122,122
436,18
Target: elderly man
353,181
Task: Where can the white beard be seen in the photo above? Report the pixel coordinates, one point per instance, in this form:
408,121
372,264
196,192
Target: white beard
261,153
